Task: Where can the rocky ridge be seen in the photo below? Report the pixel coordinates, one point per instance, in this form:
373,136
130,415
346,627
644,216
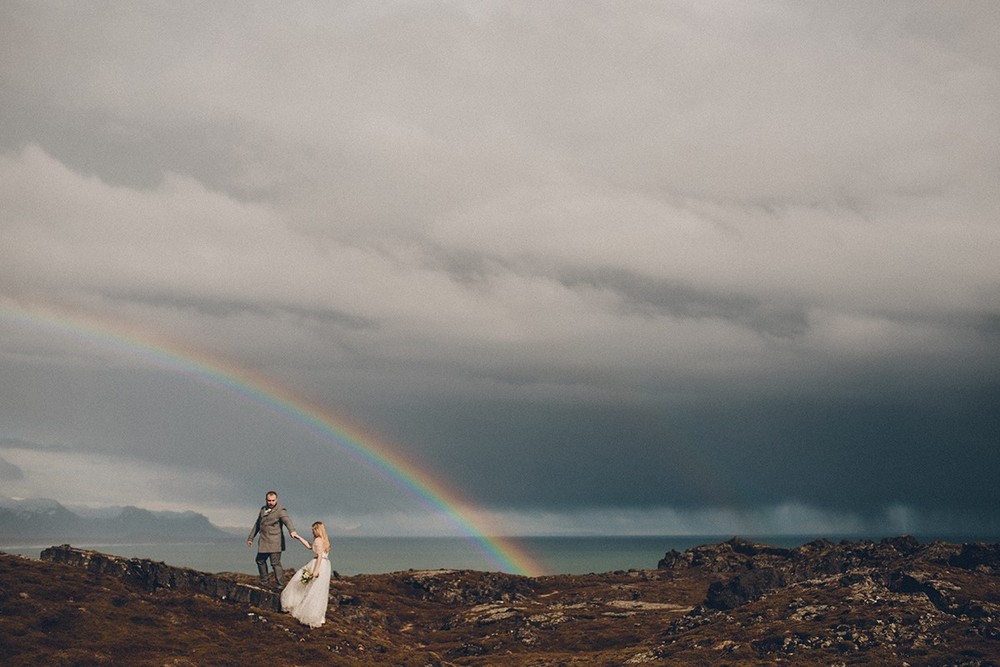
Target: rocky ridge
894,602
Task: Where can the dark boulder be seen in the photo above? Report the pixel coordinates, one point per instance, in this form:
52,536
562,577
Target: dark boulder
744,588
907,545
674,560
977,555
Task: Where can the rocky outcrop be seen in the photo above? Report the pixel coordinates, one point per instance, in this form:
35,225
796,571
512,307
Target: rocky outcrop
743,588
152,575
898,563
465,587
730,556
978,556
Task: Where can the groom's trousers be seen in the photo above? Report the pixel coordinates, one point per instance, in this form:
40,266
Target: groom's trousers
279,572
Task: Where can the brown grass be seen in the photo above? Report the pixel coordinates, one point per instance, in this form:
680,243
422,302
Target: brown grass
57,614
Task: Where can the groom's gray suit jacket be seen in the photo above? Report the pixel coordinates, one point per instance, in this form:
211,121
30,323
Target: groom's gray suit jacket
272,538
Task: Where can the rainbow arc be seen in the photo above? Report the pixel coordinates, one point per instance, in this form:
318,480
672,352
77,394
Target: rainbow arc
358,444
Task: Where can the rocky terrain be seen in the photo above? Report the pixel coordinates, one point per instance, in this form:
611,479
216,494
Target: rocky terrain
894,602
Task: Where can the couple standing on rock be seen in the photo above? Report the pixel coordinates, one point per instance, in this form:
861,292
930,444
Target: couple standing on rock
306,595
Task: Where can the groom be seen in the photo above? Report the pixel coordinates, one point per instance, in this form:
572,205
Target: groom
272,538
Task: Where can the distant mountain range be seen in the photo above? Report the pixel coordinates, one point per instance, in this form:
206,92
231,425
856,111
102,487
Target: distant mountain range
45,520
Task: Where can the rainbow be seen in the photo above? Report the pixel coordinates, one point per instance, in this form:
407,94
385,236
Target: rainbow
350,439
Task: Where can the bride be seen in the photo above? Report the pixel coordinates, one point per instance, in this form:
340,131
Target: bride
306,595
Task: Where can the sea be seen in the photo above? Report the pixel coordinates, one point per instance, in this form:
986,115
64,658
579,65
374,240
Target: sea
377,555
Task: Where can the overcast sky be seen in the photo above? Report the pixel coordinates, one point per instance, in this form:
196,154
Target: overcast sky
623,267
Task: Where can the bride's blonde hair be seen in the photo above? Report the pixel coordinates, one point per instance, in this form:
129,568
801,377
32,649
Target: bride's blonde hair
319,530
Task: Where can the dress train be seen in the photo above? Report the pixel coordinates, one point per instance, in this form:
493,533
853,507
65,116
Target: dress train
307,602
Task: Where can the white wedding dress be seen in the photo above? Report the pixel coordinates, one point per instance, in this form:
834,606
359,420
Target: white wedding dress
307,601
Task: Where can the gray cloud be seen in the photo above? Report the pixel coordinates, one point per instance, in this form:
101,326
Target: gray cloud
575,259
9,471
18,443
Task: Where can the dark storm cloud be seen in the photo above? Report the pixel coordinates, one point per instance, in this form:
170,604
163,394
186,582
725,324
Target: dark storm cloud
853,455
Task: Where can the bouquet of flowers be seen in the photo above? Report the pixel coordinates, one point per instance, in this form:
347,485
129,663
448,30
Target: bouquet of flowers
307,576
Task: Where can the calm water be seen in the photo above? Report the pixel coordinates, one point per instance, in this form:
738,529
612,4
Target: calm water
375,555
